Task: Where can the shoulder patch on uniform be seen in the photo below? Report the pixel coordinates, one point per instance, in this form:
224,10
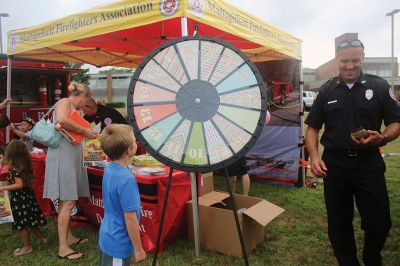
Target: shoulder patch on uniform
393,95
107,121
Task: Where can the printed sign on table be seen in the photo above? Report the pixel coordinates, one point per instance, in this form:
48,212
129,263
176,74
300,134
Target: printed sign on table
5,208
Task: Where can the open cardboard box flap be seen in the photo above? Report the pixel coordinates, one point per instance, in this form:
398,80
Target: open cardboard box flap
212,198
263,212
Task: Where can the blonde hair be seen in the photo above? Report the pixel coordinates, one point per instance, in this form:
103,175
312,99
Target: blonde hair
115,139
76,89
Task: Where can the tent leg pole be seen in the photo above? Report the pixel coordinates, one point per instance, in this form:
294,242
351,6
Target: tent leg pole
162,217
8,111
302,137
193,179
234,210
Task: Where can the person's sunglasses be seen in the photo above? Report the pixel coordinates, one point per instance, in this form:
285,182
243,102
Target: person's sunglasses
353,43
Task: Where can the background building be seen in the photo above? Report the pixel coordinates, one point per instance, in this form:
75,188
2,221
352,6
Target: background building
309,76
110,87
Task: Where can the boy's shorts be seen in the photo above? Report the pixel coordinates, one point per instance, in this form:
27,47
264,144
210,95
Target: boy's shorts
106,260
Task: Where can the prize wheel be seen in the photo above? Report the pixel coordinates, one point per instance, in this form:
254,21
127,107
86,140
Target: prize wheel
197,104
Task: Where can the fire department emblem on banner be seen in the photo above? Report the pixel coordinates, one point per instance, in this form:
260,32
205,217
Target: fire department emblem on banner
169,7
197,7
13,43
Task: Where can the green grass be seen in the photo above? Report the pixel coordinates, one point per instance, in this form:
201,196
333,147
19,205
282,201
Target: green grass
297,237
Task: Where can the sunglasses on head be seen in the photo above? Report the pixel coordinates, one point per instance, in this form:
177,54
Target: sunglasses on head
353,43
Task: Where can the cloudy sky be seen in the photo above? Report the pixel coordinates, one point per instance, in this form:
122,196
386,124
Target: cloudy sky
316,22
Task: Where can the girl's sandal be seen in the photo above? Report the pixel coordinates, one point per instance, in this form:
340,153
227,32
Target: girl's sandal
21,251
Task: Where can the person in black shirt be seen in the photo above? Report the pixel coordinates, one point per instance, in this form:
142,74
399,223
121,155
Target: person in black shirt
101,113
352,166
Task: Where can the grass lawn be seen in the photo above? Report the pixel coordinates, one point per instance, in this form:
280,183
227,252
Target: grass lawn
297,237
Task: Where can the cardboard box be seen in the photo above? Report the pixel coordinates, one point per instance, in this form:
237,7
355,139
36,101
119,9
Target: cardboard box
206,183
217,223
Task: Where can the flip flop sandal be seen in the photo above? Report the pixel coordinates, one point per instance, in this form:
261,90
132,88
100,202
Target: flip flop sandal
19,252
80,241
67,257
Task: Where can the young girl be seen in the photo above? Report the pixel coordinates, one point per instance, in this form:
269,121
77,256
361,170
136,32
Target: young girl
24,206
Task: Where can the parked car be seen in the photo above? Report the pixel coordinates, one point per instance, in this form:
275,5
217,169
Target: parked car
308,99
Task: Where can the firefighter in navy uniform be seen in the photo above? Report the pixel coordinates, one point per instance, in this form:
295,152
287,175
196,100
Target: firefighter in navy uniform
351,165
100,113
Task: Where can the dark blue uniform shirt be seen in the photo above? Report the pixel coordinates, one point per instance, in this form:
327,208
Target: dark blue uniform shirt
344,110
107,116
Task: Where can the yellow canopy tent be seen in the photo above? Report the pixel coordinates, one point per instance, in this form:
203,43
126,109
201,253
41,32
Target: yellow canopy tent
122,33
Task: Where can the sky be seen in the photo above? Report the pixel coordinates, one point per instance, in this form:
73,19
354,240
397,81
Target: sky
315,22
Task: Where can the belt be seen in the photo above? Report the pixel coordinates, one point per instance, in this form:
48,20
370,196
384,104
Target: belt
353,152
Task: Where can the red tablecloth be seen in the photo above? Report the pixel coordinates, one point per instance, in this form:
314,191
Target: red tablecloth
152,190
39,166
3,173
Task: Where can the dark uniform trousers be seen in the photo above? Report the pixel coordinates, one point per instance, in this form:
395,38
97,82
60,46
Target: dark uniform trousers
356,175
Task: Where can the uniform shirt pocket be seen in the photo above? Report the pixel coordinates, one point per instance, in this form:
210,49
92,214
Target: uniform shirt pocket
333,111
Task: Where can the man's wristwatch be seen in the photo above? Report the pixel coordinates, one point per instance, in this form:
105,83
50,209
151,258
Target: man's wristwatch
384,141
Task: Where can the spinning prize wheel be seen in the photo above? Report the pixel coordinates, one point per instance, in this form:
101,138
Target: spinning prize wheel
197,104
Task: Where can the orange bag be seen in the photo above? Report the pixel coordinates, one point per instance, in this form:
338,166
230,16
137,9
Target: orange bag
72,136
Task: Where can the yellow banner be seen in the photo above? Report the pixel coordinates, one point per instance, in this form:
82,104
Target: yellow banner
48,41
